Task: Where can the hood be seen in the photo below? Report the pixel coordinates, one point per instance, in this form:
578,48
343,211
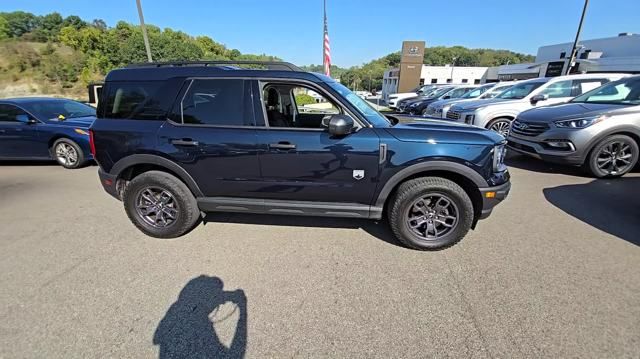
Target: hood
566,111
401,94
442,103
82,122
436,131
477,103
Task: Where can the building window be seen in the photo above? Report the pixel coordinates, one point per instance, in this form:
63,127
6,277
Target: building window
464,81
476,81
421,82
449,81
563,54
434,81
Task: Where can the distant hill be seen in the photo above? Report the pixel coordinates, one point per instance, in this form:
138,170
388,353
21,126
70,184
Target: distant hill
52,55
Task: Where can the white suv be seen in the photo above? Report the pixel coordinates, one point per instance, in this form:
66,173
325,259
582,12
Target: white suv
498,113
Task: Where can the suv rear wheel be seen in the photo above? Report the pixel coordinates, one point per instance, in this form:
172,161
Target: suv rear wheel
430,213
613,157
161,205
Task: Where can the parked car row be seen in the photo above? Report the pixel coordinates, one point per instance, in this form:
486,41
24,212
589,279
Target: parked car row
590,120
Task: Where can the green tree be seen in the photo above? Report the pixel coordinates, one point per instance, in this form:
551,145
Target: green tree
20,22
4,28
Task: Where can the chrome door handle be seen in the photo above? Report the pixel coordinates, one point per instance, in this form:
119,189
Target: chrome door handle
282,146
184,142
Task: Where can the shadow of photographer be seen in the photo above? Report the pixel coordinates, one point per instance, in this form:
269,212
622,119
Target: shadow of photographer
190,327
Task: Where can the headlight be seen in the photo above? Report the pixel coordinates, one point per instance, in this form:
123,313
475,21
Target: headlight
445,108
499,152
413,104
579,122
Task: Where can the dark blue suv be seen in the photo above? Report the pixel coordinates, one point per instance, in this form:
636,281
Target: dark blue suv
176,140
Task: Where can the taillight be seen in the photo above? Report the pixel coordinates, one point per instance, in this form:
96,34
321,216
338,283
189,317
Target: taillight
92,144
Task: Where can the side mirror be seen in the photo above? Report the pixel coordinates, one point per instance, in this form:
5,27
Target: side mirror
537,98
23,118
339,125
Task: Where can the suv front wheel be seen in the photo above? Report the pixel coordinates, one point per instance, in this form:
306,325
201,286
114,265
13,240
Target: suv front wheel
161,205
613,157
430,213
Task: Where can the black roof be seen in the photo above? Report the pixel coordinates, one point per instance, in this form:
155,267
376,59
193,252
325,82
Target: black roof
165,71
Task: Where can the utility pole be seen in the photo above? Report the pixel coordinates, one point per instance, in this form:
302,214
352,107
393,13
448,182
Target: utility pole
574,49
144,31
453,65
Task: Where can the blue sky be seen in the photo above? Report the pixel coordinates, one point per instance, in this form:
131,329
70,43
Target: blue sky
362,30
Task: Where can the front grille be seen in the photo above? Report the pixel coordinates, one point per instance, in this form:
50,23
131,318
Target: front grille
528,128
453,115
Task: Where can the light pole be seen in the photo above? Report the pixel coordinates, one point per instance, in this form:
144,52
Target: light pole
453,65
574,49
144,31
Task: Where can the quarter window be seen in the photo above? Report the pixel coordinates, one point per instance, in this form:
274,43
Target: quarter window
134,100
215,102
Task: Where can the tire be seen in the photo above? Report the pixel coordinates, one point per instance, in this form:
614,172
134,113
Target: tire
406,200
623,152
498,125
186,214
67,153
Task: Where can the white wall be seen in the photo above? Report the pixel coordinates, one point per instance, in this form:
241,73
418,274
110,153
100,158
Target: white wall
441,74
619,46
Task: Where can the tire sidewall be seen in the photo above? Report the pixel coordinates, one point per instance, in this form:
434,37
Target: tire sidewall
185,204
592,160
465,217
75,146
496,120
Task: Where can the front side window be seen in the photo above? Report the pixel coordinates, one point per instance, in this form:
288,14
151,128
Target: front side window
558,89
217,102
520,91
10,113
457,93
625,92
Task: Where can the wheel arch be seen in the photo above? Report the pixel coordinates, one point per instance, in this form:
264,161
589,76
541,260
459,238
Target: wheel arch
468,179
129,167
626,131
495,118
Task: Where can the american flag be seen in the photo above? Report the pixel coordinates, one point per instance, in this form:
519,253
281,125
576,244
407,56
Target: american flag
326,53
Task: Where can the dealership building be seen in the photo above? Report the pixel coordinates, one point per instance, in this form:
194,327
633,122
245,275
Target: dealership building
613,54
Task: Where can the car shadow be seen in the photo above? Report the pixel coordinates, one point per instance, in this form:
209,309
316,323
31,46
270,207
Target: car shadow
612,206
379,229
193,325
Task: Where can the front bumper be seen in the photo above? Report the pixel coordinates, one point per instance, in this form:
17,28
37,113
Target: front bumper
109,183
491,196
536,147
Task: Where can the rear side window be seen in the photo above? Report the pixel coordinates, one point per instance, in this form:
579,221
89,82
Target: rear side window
215,102
134,100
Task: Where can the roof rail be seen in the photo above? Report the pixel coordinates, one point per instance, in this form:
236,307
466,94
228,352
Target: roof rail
270,65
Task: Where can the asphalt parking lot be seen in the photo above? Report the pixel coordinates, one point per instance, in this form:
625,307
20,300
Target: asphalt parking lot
554,272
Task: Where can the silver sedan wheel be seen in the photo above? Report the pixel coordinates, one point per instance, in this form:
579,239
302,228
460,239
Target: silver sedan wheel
501,126
432,216
157,207
66,154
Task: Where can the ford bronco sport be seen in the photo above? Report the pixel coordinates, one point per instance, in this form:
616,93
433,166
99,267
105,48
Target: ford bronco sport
176,140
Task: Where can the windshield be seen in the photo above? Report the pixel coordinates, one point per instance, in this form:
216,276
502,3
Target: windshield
495,91
623,92
53,109
520,91
457,93
373,116
476,92
439,92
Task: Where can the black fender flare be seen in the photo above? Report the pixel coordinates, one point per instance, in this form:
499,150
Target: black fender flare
405,173
148,159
